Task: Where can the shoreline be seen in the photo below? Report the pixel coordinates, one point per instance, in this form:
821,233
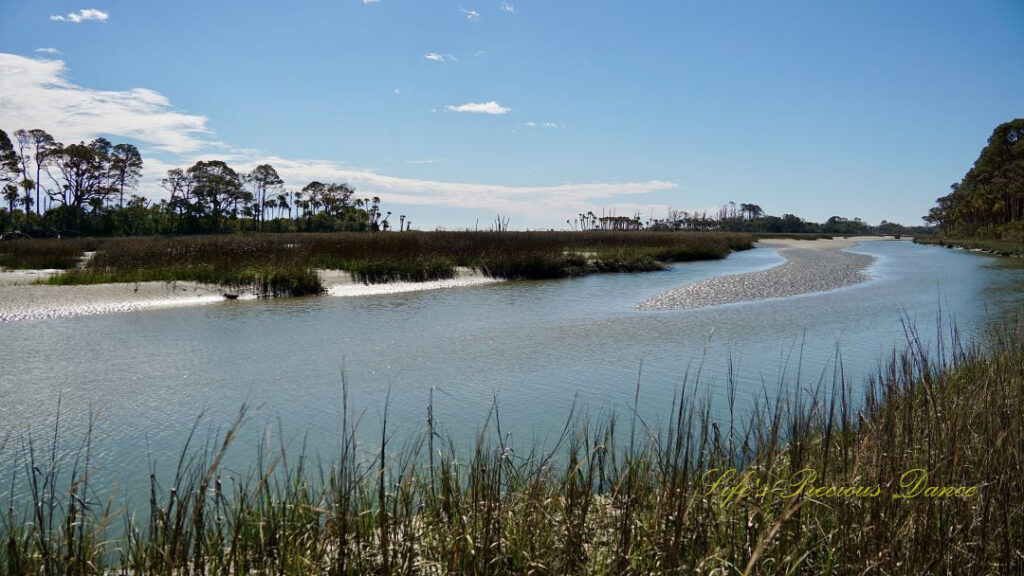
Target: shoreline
811,266
22,299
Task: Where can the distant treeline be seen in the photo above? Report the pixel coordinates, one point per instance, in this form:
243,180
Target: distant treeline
989,202
52,189
88,189
743,217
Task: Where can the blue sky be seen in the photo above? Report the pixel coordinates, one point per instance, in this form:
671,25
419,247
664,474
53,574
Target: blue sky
453,112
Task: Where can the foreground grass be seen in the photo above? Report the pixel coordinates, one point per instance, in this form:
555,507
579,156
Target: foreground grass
287,262
613,497
1000,247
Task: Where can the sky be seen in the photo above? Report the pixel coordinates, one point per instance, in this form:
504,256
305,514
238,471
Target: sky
455,112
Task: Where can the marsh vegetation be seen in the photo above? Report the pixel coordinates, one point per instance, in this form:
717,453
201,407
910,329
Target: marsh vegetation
286,264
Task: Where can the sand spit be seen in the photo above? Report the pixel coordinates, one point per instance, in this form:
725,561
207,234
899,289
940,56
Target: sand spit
340,283
25,301
22,299
811,266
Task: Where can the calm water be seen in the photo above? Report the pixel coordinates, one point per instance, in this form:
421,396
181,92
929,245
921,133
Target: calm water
534,345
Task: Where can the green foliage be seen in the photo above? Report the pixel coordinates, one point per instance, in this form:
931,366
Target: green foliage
989,201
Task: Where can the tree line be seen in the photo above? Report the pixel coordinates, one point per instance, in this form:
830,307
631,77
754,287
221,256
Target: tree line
989,201
52,189
742,217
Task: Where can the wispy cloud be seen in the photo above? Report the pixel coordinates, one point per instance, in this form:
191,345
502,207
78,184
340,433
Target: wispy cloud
37,95
370,1
431,161
508,7
491,107
83,15
569,198
436,57
47,50
550,125
530,124
471,15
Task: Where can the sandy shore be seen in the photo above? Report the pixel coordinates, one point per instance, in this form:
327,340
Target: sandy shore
811,266
21,299
341,283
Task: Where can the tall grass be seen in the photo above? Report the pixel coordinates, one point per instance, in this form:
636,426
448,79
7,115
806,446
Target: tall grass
242,260
612,496
44,254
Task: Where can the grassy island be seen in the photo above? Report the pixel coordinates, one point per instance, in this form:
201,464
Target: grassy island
286,264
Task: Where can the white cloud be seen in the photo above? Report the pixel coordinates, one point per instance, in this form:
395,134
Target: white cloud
370,1
47,50
550,125
84,15
37,95
436,57
471,15
544,201
491,107
534,205
508,7
530,124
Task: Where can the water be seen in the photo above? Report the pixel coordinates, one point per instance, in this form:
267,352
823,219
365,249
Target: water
537,347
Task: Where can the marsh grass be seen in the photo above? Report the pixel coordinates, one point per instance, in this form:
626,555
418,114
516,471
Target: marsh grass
44,254
1000,247
286,263
611,496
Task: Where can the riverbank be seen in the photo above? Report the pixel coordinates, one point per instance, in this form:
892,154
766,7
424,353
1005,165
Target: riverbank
810,266
995,247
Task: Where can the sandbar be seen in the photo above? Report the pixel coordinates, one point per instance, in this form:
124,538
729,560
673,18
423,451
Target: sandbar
21,298
810,266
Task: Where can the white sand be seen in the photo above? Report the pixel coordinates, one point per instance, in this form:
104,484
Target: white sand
21,299
339,283
811,266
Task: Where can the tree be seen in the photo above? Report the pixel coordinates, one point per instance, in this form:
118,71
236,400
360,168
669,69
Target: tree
43,145
9,166
989,200
125,168
11,196
314,192
10,172
216,186
265,181
751,211
83,174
